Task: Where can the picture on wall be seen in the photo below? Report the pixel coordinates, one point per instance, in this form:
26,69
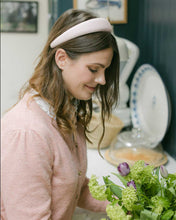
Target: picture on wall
114,10
19,16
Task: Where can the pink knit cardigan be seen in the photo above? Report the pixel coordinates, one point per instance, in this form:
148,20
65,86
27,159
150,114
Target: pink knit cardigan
42,178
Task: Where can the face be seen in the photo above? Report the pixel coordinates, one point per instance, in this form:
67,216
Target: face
81,76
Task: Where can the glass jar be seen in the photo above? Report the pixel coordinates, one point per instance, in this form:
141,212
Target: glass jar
134,145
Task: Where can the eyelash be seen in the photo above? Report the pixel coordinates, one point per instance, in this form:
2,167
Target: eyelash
93,71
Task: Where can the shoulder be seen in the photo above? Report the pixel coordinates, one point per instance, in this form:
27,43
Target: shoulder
26,116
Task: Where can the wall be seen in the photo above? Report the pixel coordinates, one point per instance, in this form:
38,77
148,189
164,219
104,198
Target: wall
18,54
156,38
152,26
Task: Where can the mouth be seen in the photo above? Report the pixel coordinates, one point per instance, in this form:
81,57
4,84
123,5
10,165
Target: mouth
91,88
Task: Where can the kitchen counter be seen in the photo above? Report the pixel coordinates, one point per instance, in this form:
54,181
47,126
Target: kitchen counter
100,167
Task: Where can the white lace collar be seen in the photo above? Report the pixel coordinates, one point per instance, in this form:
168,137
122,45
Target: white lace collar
45,106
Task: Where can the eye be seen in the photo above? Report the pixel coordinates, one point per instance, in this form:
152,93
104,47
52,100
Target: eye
92,70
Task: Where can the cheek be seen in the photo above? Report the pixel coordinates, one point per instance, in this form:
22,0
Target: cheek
81,75
73,77
84,77
76,74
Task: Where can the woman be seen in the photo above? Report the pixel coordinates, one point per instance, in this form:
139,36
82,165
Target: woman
44,134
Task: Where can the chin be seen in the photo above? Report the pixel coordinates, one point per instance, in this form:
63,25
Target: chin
85,98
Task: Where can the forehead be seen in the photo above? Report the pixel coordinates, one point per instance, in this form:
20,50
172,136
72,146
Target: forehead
103,57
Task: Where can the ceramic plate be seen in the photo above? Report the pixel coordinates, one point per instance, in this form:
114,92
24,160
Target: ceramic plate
149,103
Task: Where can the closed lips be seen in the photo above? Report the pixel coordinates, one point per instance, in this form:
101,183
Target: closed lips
90,87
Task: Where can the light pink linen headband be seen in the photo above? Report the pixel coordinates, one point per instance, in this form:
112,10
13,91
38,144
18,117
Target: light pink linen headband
86,27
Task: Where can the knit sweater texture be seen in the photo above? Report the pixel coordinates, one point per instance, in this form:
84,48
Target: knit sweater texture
43,175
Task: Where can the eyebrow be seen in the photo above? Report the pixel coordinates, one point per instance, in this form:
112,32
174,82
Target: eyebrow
99,64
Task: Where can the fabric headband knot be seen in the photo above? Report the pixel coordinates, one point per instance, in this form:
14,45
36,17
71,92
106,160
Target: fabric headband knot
86,27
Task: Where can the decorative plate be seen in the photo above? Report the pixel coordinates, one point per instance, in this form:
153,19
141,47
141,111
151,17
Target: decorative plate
149,103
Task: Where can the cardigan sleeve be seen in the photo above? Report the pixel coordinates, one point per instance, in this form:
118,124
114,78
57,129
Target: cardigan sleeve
26,176
86,201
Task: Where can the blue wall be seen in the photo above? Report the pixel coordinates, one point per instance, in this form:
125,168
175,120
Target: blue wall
156,37
152,26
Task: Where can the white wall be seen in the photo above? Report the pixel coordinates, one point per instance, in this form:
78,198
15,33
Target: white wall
18,54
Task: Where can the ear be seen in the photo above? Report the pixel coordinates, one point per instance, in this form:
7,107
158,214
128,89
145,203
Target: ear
60,58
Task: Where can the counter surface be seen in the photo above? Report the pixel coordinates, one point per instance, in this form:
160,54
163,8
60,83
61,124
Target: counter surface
100,167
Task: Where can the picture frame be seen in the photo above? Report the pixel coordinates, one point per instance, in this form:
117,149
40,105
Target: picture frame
19,16
114,10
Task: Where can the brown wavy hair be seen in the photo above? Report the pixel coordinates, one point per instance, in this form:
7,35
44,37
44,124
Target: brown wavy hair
47,77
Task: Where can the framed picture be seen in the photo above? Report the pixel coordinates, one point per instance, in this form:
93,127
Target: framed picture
19,16
114,10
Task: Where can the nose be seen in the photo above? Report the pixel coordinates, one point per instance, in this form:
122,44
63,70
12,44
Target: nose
100,78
